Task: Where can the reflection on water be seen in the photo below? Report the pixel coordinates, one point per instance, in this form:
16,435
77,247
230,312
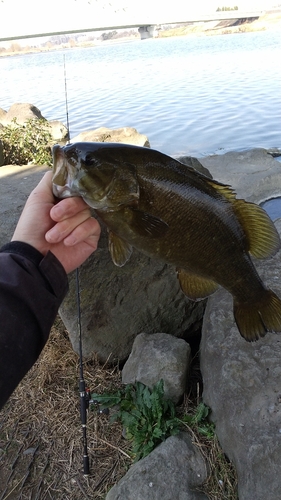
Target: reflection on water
190,95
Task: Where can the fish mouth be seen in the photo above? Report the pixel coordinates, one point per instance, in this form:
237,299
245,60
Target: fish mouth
62,179
62,191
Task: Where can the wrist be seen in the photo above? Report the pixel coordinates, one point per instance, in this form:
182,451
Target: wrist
23,249
50,269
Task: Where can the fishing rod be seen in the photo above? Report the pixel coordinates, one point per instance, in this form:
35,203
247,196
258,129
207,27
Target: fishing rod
84,393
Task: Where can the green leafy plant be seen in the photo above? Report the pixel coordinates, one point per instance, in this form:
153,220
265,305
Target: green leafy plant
28,143
198,421
147,416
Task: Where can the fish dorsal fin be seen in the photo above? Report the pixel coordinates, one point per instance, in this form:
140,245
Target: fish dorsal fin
120,250
195,287
261,234
146,224
223,189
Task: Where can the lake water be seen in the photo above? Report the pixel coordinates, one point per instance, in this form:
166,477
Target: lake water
189,95
273,207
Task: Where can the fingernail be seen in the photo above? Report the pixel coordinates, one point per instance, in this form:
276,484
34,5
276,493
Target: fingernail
52,236
57,211
70,241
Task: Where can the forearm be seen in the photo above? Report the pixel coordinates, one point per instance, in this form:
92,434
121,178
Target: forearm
32,288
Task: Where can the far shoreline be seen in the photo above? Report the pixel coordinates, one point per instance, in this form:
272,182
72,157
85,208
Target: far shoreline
269,21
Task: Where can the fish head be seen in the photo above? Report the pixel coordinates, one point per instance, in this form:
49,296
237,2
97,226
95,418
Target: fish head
97,172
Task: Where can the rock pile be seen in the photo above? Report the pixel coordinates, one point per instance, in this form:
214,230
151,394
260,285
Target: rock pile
126,135
242,382
23,112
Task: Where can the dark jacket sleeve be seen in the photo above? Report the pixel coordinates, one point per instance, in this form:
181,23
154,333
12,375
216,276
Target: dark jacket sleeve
32,288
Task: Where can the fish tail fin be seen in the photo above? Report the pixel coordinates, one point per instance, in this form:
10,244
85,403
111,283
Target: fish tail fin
255,319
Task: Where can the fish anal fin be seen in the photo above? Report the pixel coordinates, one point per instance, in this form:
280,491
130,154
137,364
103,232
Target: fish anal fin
146,224
255,319
195,287
261,234
119,249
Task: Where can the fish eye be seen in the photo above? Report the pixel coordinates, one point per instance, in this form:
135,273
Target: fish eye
89,161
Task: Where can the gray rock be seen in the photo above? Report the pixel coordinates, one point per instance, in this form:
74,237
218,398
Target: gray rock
126,135
58,130
254,174
194,163
119,303
242,386
2,114
242,381
22,112
174,470
159,356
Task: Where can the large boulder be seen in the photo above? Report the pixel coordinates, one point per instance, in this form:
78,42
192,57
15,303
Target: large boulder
58,130
23,112
242,381
254,173
119,303
159,356
242,386
2,115
175,469
125,135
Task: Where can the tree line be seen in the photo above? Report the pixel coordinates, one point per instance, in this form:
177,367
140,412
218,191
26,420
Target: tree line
222,9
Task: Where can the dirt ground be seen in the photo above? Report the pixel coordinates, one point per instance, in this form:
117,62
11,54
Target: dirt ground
41,437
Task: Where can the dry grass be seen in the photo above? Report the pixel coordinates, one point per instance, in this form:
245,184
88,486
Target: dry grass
41,437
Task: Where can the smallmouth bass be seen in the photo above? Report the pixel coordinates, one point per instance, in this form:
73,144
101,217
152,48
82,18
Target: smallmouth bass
169,211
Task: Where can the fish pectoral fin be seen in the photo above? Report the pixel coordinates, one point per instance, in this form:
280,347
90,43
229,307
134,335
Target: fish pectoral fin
195,287
119,249
262,236
146,224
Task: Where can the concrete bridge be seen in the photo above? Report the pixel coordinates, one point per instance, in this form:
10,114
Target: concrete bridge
145,28
148,31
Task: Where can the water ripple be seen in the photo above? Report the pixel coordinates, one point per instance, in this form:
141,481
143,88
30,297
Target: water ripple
191,95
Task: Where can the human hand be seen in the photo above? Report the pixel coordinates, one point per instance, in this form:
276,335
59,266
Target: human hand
65,228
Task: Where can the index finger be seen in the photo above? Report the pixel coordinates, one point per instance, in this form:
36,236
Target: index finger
67,208
43,190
